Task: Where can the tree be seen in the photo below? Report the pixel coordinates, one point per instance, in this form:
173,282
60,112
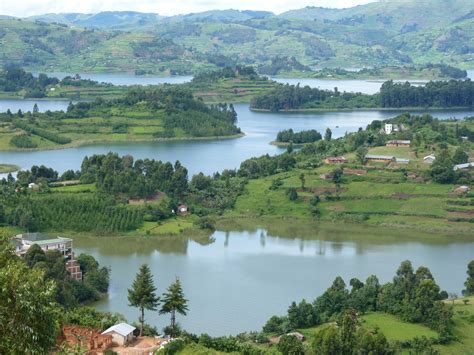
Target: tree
174,301
442,168
29,316
469,284
460,156
328,135
303,180
35,109
290,345
142,294
292,194
361,152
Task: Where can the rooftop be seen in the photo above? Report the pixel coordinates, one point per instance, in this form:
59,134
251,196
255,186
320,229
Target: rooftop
41,239
123,329
381,157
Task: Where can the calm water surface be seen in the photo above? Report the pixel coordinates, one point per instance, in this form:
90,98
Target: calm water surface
205,156
239,280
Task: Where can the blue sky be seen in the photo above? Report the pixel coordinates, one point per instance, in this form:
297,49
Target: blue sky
23,8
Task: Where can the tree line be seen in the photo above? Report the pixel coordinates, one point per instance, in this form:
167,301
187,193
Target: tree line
452,93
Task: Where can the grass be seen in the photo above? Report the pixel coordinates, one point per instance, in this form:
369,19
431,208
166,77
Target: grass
8,168
463,330
395,329
172,226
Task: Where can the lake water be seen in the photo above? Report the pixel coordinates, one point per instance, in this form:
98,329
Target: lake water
206,156
239,280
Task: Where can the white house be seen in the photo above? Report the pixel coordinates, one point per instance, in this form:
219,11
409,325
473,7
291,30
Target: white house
429,159
122,333
463,166
388,128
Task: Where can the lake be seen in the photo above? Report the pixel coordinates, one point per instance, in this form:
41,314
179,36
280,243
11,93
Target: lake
239,279
206,156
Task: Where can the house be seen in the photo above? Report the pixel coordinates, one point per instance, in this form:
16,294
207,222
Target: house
33,186
380,158
429,159
402,161
24,241
398,143
297,335
464,166
462,189
388,128
335,160
122,333
87,338
182,209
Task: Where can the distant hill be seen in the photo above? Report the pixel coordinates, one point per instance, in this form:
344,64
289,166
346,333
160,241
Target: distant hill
383,33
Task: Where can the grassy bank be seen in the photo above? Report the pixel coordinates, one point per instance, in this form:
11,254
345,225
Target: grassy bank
8,168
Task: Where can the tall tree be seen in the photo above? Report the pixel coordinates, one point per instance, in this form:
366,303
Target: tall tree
328,135
142,294
174,301
29,316
469,290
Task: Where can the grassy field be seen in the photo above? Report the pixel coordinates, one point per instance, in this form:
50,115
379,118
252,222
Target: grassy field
395,329
463,329
382,196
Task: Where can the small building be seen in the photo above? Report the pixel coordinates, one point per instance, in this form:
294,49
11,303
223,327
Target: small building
462,189
335,160
388,128
327,176
464,166
122,333
391,127
297,335
380,158
24,241
398,143
429,159
182,209
33,186
402,161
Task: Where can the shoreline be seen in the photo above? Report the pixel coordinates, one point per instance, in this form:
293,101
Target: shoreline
81,143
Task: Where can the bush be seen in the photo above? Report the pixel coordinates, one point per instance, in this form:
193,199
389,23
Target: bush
205,223
23,141
290,345
173,347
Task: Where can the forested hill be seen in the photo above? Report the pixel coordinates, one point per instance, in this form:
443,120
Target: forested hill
435,94
390,32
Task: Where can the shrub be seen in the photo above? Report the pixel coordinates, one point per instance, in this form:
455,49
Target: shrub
23,141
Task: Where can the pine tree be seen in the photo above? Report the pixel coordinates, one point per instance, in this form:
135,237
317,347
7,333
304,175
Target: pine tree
470,280
174,301
142,294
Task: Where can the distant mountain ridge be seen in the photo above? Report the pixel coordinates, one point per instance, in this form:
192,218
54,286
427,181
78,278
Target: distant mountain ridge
383,33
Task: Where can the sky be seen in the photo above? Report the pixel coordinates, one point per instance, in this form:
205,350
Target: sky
24,8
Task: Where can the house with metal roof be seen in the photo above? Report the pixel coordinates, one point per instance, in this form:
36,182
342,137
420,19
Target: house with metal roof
122,333
463,166
380,158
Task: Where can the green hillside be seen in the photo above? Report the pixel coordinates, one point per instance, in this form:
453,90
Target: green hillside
384,33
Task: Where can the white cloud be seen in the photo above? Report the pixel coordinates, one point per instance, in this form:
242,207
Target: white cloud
23,8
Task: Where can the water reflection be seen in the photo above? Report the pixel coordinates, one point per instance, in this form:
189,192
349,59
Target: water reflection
236,279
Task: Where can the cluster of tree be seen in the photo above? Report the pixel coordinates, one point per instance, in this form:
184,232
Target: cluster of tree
288,135
266,165
225,73
77,212
141,178
69,292
23,141
142,295
282,64
291,97
413,296
442,169
453,93
14,78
